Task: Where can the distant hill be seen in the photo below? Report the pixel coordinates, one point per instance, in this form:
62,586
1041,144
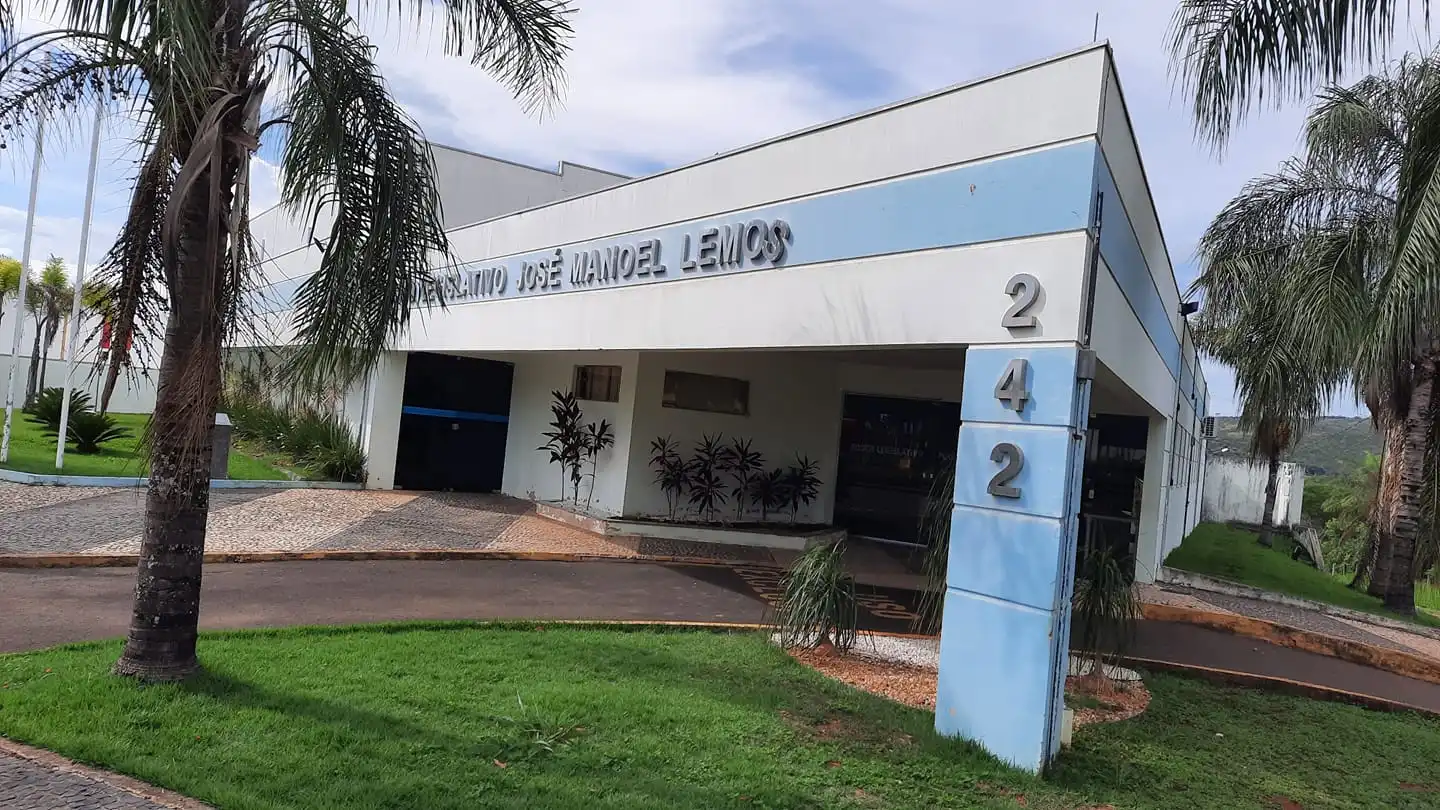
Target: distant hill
1332,446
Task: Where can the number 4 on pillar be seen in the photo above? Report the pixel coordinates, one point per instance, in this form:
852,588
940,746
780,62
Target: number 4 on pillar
1013,391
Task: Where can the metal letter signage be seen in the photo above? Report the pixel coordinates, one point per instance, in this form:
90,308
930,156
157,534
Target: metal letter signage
728,247
1014,461
1025,289
1013,390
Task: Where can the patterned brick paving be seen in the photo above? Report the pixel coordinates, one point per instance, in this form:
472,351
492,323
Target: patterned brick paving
16,497
26,785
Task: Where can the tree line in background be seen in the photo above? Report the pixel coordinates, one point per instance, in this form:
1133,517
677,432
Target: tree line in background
1324,276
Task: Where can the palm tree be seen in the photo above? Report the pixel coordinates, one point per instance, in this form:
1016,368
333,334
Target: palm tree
1353,222
1281,390
205,81
52,296
9,281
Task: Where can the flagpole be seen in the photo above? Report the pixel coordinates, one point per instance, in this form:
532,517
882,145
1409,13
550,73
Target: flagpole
70,346
19,310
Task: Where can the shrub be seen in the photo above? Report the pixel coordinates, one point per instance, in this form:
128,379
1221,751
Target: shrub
308,429
334,453
935,534
88,430
767,492
671,472
707,488
44,409
566,440
801,484
744,466
1105,608
818,605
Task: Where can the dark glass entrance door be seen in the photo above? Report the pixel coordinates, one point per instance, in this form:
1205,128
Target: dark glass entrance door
453,423
891,452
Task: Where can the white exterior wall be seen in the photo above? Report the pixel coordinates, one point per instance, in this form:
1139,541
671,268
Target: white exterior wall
134,393
1235,491
1139,334
796,401
866,302
528,473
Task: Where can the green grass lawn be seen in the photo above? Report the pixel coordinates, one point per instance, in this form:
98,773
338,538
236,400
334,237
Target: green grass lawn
32,451
1230,553
464,716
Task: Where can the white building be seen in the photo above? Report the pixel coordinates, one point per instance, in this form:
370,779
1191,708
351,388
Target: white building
982,261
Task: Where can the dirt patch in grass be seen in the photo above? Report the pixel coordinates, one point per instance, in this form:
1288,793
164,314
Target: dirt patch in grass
902,683
1105,701
1102,701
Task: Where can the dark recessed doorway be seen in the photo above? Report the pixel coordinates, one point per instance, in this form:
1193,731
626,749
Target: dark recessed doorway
453,423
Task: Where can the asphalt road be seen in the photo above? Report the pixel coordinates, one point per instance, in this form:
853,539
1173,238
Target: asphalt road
44,607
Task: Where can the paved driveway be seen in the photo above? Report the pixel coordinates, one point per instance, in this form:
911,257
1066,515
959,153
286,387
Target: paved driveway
73,520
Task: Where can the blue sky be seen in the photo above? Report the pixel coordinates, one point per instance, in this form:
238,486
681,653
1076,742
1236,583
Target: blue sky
656,83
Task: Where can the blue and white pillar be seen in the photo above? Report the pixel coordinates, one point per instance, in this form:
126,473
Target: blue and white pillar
1004,639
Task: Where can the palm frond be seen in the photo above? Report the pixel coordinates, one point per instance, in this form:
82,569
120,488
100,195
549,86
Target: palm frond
1231,55
523,43
354,153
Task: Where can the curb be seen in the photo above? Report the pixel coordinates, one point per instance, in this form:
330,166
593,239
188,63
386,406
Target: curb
1393,661
1227,677
1202,582
130,482
55,762
129,560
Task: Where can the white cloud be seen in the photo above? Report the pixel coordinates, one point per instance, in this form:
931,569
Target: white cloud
655,83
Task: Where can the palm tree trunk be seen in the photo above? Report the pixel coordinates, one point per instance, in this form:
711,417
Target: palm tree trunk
1367,559
34,376
1397,563
44,366
1385,499
1267,519
166,614
112,374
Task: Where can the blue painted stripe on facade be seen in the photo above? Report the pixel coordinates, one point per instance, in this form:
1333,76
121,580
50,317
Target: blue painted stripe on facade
1043,479
995,674
1050,381
1005,556
469,416
1121,250
1048,191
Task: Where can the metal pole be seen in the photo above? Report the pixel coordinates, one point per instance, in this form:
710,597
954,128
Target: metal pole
71,347
20,295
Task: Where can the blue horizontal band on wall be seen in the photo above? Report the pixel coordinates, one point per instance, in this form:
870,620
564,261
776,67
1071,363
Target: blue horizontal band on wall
1035,193
468,416
1120,248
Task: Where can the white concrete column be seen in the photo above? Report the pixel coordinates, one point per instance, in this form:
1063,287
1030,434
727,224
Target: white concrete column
382,419
1152,500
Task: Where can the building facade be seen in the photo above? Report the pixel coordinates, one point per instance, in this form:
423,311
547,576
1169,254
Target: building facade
983,262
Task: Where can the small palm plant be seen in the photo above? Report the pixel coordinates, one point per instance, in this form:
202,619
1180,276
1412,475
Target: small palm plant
707,487
767,492
565,440
598,437
802,484
818,606
745,465
935,534
89,429
1105,610
44,409
671,472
